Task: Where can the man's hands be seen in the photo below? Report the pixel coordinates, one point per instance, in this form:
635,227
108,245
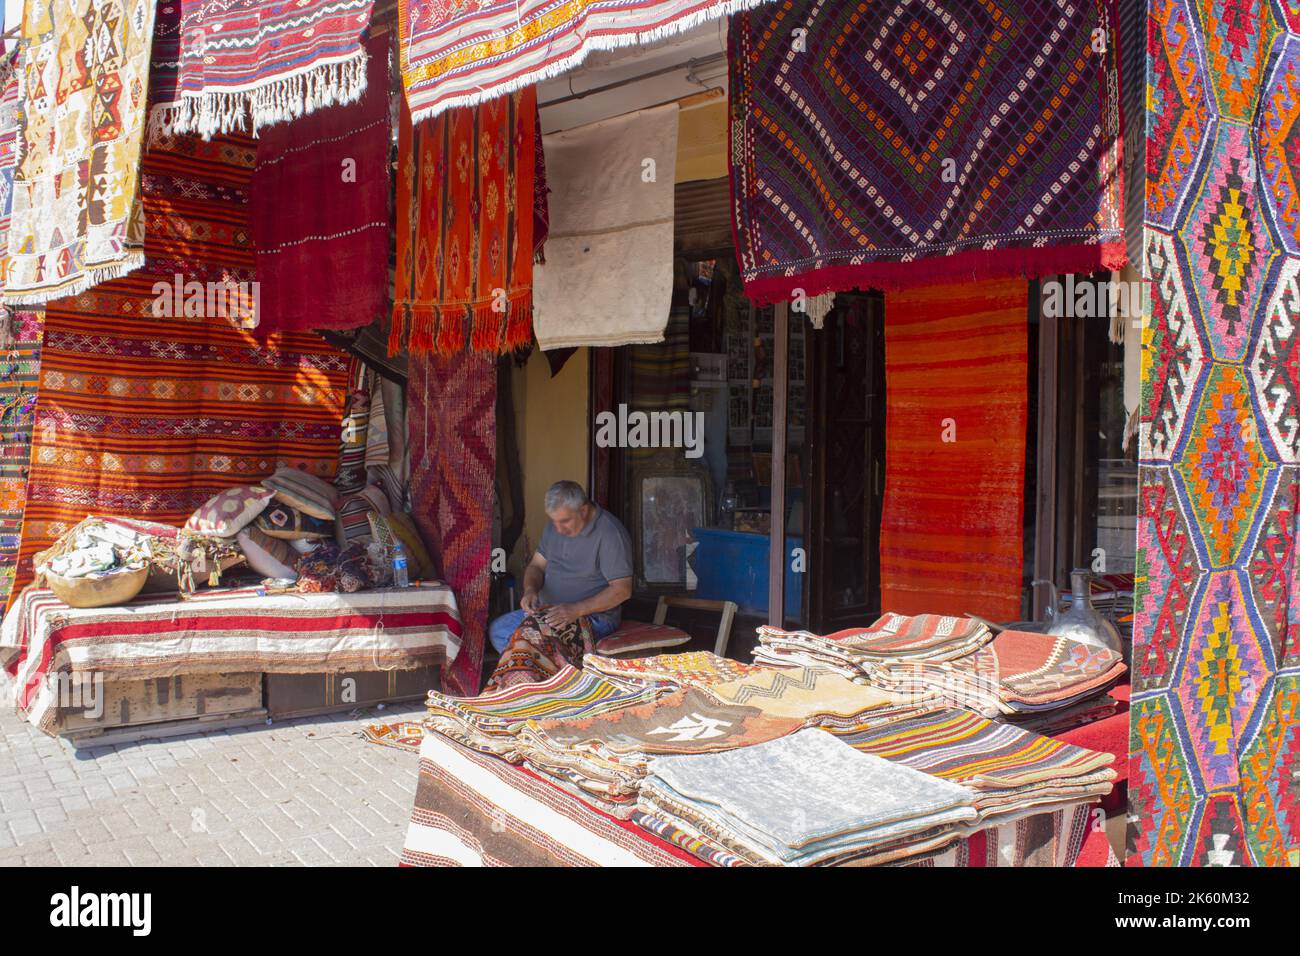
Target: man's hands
532,600
558,615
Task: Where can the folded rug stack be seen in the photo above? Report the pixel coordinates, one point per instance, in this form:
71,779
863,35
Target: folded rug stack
815,696
1011,771
691,669
1017,673
894,638
604,758
490,723
800,800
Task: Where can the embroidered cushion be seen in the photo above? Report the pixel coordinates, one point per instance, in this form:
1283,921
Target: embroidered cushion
402,527
279,520
297,489
354,514
269,557
228,513
633,636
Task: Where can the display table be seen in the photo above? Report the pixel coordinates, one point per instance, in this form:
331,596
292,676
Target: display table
476,810
221,641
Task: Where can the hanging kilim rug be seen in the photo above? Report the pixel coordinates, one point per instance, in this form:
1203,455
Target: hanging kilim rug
900,144
218,64
451,416
81,117
147,416
952,530
10,88
465,229
461,54
320,209
1215,714
20,362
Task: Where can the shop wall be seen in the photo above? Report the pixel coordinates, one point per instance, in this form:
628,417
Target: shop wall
554,438
1215,721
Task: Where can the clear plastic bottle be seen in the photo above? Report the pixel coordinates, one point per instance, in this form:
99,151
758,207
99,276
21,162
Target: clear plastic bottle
400,578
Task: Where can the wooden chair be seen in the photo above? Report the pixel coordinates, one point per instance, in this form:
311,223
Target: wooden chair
637,637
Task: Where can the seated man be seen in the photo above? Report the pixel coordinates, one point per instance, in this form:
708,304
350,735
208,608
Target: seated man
582,568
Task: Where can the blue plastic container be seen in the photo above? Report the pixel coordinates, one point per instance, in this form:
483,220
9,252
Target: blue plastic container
732,566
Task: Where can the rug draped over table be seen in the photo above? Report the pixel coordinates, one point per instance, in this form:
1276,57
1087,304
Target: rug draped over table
221,631
952,532
461,54
76,215
321,212
611,205
451,411
1215,713
904,146
218,64
465,229
147,416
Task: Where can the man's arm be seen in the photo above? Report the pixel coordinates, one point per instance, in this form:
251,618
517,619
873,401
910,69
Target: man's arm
615,593
534,578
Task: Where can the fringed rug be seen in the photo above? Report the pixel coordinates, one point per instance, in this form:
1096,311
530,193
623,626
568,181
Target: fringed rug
220,64
465,230
462,54
320,212
400,734
142,415
76,219
20,362
952,531
1215,712
896,144
451,413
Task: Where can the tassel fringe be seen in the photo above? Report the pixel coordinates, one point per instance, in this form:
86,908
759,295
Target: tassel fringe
215,113
448,330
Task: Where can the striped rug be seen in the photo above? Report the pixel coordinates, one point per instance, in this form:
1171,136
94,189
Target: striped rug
148,416
956,392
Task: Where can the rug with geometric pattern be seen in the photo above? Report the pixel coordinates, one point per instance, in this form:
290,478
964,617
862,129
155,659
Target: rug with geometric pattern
1214,775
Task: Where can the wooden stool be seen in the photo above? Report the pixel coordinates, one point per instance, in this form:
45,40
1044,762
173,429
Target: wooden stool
636,636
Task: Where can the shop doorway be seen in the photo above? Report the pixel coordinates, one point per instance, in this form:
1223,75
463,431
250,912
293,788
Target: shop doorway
846,452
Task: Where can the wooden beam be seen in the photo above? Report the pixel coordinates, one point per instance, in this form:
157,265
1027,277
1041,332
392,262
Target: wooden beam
776,534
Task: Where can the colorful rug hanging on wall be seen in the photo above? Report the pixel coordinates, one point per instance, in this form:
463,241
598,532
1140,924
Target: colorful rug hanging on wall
957,403
894,145
321,212
1215,714
20,363
451,414
76,204
220,64
462,54
465,229
10,89
146,415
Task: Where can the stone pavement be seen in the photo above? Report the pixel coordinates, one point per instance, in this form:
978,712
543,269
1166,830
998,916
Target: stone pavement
306,791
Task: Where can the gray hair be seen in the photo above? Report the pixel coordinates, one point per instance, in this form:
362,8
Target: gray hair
565,494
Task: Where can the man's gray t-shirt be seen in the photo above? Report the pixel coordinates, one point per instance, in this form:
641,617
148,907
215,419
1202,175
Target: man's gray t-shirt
578,567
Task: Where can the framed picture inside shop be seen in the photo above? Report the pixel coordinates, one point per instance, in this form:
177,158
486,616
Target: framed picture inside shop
670,500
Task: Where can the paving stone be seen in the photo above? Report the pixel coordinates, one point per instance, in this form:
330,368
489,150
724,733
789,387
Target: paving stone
306,792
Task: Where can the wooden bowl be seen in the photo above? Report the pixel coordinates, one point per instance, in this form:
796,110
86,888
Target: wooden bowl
102,590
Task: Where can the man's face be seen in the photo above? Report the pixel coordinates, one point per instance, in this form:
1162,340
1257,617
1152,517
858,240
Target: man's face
569,521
